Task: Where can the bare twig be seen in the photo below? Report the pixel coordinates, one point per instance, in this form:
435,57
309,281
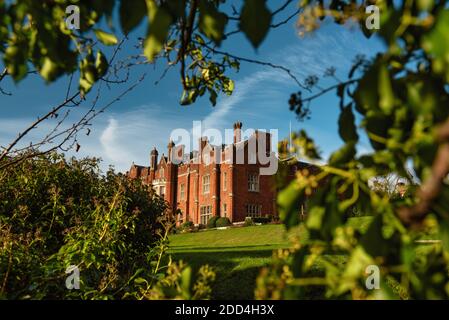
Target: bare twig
263,63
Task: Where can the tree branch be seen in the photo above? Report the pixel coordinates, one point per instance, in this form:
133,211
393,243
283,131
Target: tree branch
431,188
263,63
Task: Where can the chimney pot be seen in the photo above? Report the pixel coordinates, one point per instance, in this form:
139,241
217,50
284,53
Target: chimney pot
237,132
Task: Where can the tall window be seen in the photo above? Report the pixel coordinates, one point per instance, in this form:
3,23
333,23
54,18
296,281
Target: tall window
205,214
225,182
225,210
206,184
253,182
161,173
182,191
253,210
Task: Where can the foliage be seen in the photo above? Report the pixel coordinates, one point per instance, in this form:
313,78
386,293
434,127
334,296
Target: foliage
56,213
36,34
178,284
398,100
262,219
222,222
248,222
186,226
212,221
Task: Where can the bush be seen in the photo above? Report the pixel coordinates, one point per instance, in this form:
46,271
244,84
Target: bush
212,221
248,222
222,222
262,220
188,225
55,213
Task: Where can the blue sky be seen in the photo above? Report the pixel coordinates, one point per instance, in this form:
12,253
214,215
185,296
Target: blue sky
144,118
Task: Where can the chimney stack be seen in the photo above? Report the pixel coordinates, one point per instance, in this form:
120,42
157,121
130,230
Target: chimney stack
171,150
153,158
237,132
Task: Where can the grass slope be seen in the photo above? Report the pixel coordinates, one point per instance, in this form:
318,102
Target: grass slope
236,254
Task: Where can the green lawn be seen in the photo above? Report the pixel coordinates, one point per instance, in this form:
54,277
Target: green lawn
237,254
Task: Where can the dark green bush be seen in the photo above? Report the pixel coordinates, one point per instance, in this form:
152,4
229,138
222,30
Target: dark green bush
212,221
248,222
262,220
222,222
55,213
188,225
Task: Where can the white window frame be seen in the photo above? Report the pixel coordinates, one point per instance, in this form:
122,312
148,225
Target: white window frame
162,191
253,182
205,214
182,191
206,184
253,210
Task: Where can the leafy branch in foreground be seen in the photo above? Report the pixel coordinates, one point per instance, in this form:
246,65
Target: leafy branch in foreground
398,102
178,31
63,131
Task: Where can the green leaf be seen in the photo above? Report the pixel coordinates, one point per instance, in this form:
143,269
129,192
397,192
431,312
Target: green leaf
343,155
186,281
212,23
140,280
289,200
131,13
106,38
366,96
160,21
255,20
49,70
436,43
315,217
373,240
101,64
346,125
377,125
213,97
444,234
386,95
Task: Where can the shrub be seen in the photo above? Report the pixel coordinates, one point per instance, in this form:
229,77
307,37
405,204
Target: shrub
188,225
212,221
222,222
55,213
248,222
262,220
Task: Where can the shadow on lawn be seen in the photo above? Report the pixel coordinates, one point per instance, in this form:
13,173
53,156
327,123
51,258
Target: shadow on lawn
260,247
229,284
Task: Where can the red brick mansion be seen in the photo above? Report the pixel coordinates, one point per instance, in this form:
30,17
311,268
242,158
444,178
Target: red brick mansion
201,188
